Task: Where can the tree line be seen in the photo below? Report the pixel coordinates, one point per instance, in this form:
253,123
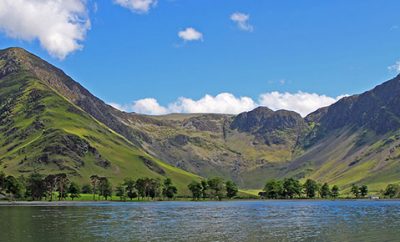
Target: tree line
290,188
214,188
59,187
37,187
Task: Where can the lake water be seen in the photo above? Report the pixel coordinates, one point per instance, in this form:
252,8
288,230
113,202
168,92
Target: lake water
204,221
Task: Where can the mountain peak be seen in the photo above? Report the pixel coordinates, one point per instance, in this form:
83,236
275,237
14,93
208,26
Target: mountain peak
16,54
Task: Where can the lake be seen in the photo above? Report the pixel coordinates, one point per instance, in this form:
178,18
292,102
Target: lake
203,221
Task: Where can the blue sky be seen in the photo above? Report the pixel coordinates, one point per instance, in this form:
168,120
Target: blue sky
132,50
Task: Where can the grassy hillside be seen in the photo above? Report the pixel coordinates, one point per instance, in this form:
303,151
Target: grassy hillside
347,157
42,131
50,123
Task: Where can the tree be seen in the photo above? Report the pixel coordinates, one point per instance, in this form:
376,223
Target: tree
2,181
196,189
86,189
62,185
169,190
364,190
130,188
291,188
50,183
141,186
154,188
355,190
74,190
310,187
231,189
335,191
105,187
216,185
94,180
13,187
36,187
120,192
273,189
325,191
204,188
392,191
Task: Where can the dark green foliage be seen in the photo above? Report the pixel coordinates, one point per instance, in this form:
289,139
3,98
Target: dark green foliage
141,186
216,186
86,189
94,180
204,188
231,189
273,189
13,187
148,187
62,185
335,191
36,187
74,190
196,189
392,191
50,183
130,188
169,190
154,188
120,192
291,188
2,181
310,188
355,190
364,190
105,188
325,191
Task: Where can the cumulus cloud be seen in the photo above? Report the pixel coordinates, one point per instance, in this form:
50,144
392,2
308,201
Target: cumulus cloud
395,67
190,34
60,26
148,106
301,102
222,103
138,6
242,21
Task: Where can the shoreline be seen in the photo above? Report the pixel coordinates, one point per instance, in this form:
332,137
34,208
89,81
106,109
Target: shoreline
72,203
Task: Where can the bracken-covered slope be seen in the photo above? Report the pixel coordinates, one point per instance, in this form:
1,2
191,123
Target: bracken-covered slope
43,130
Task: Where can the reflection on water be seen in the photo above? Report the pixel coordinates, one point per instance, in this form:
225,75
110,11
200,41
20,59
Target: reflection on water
204,221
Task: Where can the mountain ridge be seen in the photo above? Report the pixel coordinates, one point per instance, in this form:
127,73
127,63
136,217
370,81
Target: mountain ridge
353,140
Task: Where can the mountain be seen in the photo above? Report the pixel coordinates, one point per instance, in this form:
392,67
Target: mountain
50,123
355,140
44,127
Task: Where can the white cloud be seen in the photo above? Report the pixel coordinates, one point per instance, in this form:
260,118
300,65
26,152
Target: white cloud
138,6
190,34
148,106
301,102
395,67
242,21
222,103
60,26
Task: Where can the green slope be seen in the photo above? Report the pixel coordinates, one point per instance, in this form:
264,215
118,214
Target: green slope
42,131
50,123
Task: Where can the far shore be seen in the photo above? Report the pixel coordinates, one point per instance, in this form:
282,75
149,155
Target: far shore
69,203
